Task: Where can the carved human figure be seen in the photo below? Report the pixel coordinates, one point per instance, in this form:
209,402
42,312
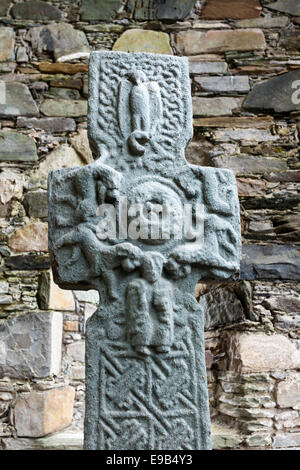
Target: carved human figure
149,307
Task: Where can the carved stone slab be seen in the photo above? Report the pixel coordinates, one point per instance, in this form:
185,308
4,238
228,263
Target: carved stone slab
145,365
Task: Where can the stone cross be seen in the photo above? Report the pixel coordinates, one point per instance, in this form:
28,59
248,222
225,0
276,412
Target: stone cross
142,226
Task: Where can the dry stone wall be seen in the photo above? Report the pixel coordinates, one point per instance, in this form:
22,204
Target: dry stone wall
245,76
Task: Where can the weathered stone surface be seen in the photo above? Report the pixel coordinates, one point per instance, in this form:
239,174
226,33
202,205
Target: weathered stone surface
36,204
35,10
278,94
47,124
30,345
290,40
259,440
248,135
288,392
91,296
249,187
215,106
17,147
231,9
61,441
291,7
81,144
265,22
235,122
225,438
11,185
259,352
248,164
140,40
224,84
64,108
65,42
103,10
222,306
31,237
270,262
62,157
7,43
198,66
17,100
51,297
62,93
4,4
291,439
28,262
197,42
57,67
149,111
162,9
76,351
37,414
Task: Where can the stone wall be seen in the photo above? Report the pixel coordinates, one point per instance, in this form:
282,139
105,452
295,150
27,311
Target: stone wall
245,77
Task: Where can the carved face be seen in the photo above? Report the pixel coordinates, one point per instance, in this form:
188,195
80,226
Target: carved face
152,266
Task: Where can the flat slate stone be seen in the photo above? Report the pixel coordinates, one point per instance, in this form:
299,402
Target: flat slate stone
224,84
103,10
250,164
4,4
30,345
270,262
28,262
36,204
290,40
61,39
162,9
197,42
35,10
231,9
17,147
30,237
7,44
64,108
292,7
47,124
278,94
17,100
140,40
265,22
215,106
198,66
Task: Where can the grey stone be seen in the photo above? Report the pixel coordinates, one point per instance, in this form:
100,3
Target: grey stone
36,204
27,262
17,147
103,10
35,10
265,22
90,296
76,351
7,44
248,135
215,106
4,5
291,439
198,66
291,7
279,94
239,83
17,100
140,124
67,108
62,93
270,262
162,9
52,125
290,40
30,345
65,42
250,164
66,440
